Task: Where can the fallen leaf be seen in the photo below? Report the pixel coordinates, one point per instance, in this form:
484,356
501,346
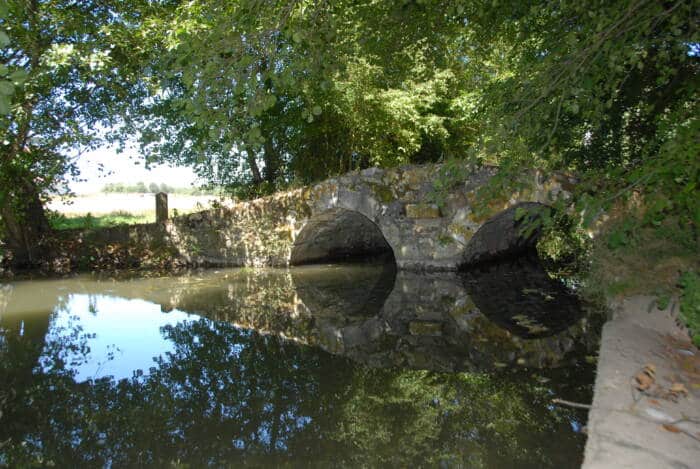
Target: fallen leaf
646,377
679,388
671,428
644,382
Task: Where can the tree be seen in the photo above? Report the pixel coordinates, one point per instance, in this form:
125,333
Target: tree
298,91
8,77
303,90
82,69
257,95
605,89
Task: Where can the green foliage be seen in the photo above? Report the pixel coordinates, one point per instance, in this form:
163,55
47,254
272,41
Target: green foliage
452,173
690,304
636,258
533,221
75,68
9,77
300,91
631,232
624,234
75,77
563,243
607,91
663,300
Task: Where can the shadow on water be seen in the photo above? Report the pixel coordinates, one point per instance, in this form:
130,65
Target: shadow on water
355,365
520,296
351,290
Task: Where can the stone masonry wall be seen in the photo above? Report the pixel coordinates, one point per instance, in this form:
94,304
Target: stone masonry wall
421,235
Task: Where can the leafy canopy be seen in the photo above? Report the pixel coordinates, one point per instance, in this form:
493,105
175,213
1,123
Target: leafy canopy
262,94
75,68
257,95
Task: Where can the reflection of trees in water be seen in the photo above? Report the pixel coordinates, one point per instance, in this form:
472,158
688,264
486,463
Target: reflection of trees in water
227,395
26,389
5,295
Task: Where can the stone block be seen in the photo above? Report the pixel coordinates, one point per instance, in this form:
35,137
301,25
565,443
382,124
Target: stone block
431,328
422,211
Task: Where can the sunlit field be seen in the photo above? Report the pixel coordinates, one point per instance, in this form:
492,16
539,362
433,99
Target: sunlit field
101,210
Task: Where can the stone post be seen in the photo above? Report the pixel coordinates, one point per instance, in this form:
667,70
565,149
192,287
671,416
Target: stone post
161,207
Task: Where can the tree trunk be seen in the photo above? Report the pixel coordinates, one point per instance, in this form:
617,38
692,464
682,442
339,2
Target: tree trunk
272,162
24,223
257,177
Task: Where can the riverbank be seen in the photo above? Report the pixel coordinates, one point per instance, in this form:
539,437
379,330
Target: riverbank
646,405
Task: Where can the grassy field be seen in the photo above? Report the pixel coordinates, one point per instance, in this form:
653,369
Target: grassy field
103,210
66,222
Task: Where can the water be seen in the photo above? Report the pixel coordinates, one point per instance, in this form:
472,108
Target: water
336,365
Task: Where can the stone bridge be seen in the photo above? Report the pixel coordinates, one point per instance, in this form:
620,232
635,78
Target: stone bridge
360,214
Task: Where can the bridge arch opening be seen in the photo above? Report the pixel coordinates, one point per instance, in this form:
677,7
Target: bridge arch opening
340,235
506,234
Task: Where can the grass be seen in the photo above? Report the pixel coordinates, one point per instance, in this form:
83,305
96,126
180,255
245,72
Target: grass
690,304
635,259
60,221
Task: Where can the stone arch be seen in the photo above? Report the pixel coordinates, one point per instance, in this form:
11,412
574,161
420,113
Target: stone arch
337,235
501,236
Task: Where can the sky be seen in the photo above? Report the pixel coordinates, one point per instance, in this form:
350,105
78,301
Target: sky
127,168
112,321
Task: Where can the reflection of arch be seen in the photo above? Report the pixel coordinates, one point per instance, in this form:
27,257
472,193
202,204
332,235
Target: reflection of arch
519,296
501,236
338,235
347,291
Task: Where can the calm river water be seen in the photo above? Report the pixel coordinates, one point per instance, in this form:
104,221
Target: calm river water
320,366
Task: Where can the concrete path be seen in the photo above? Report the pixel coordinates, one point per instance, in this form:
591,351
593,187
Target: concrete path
632,429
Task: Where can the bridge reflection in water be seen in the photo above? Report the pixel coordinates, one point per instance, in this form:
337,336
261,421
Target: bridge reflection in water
506,314
235,385
509,313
